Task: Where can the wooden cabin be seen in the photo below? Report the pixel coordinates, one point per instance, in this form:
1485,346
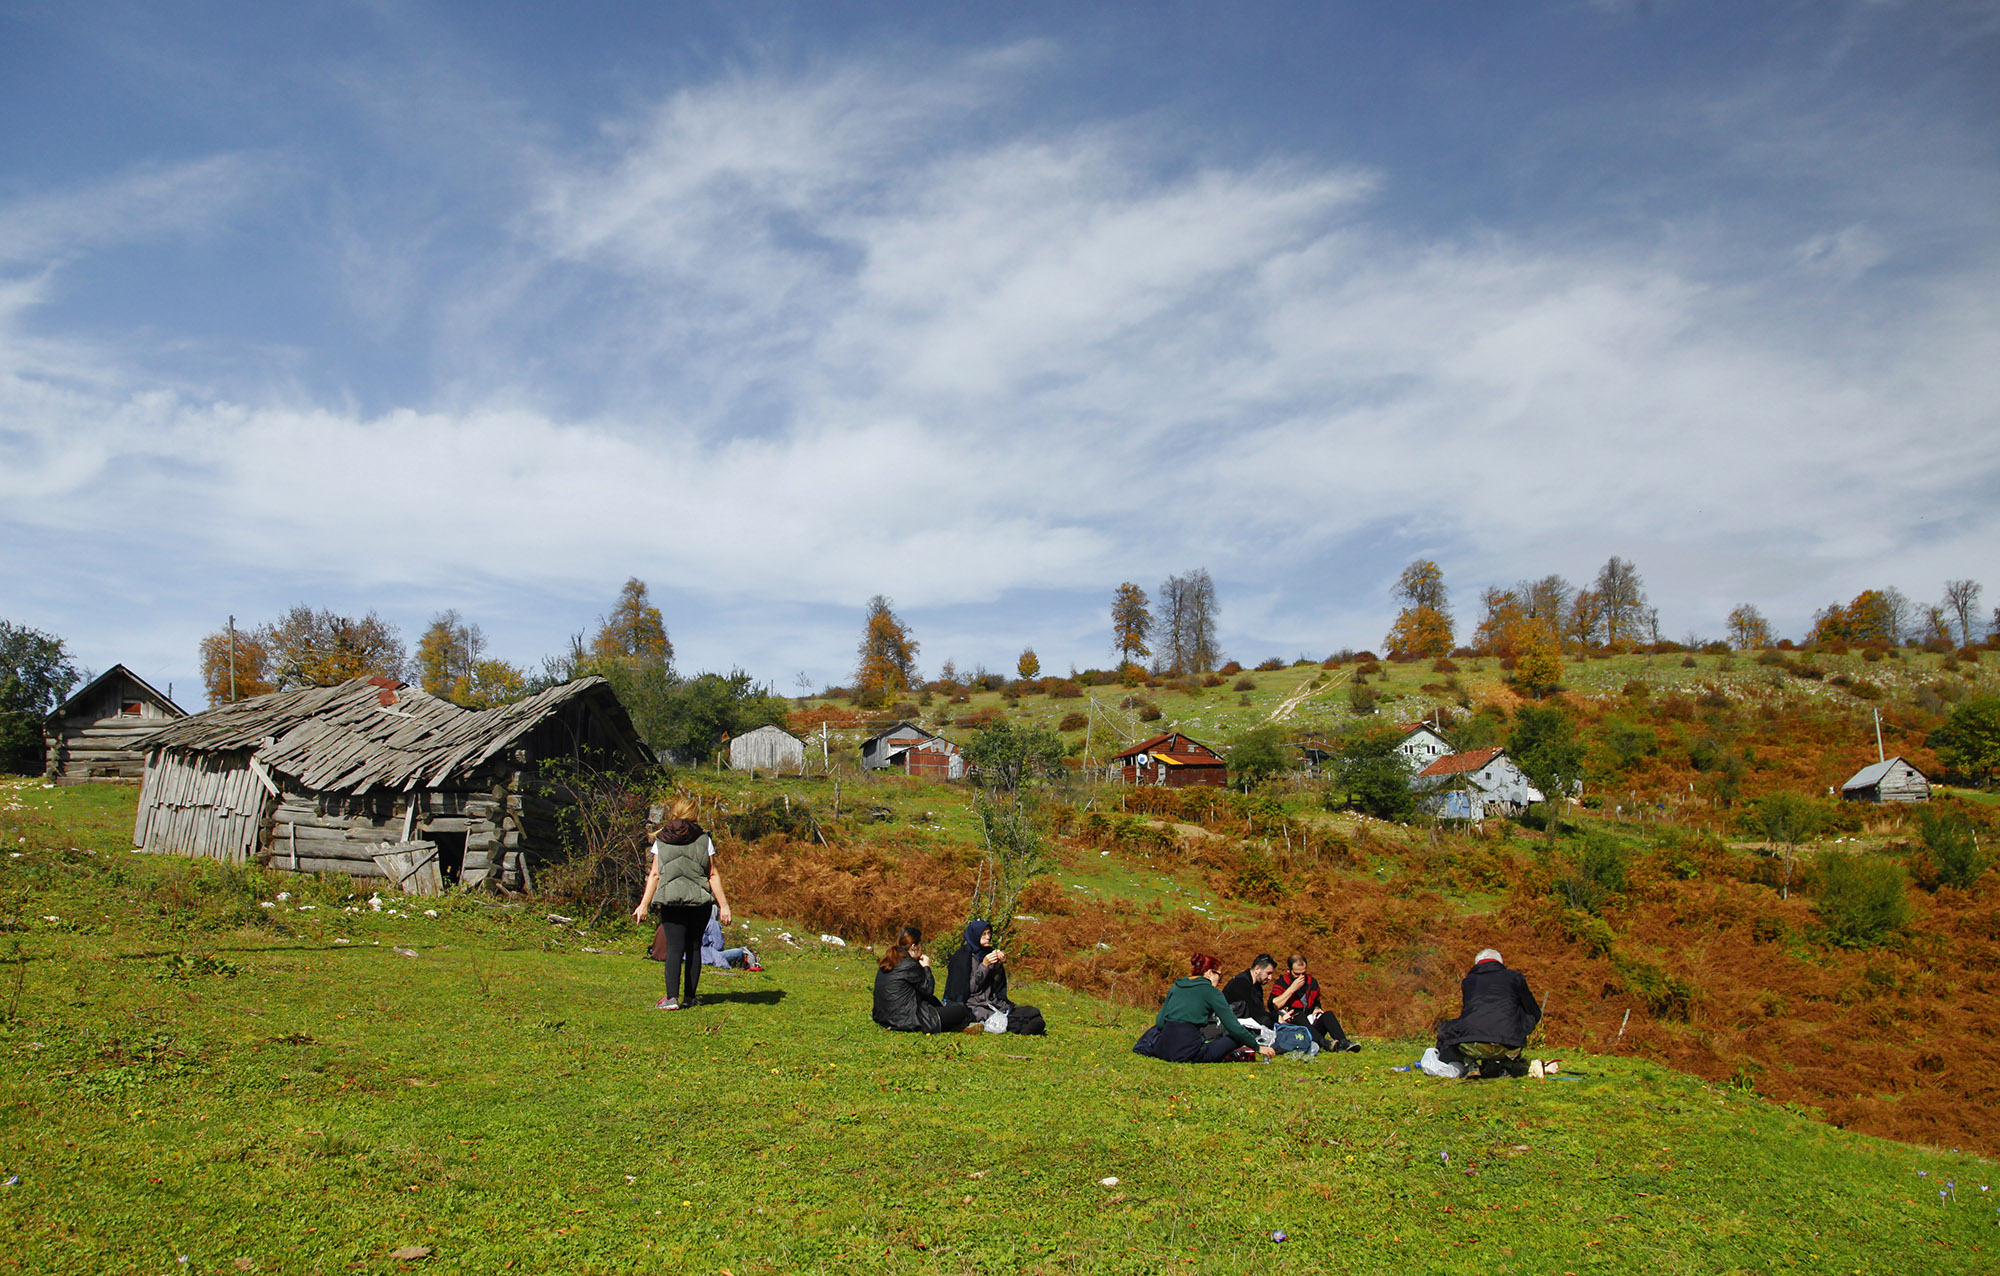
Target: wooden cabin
376,779
99,734
768,748
908,748
1894,780
1174,760
1422,745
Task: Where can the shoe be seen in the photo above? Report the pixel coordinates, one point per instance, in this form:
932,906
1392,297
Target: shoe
691,1003
754,966
666,1003
1552,1067
1535,1069
1351,1047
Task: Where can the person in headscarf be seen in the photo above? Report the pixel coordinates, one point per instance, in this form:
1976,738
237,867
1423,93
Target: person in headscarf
1496,1017
985,986
1192,1004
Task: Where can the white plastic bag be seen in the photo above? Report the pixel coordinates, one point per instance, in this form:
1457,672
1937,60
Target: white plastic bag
1433,1066
997,1021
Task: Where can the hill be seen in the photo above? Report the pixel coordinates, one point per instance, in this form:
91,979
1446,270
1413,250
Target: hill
247,1073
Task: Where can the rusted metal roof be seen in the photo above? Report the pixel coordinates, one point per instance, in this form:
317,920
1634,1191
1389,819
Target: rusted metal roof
1460,763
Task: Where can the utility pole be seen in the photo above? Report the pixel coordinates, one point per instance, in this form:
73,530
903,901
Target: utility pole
1879,756
232,660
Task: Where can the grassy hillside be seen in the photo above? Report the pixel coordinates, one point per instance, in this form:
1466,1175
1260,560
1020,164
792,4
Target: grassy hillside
205,1077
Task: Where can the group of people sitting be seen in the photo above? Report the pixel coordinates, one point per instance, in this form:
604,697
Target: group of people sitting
975,988
1258,1013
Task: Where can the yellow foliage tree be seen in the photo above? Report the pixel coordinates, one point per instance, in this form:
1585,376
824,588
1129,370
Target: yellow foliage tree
634,633
888,655
1538,662
253,666
1029,665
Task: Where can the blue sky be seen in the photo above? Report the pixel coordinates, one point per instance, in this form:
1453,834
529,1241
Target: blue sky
987,308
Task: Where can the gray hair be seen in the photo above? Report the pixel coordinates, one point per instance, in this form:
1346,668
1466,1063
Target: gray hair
1488,954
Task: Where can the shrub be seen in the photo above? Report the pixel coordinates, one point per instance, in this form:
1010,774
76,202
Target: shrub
1065,690
1073,722
1969,655
1860,898
1362,698
1715,649
1368,668
1243,684
1443,664
979,718
1687,662
1952,855
1638,690
1151,713
1212,680
1270,666
1230,669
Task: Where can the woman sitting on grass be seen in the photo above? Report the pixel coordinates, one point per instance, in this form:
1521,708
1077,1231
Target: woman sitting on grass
904,1000
977,976
1192,1004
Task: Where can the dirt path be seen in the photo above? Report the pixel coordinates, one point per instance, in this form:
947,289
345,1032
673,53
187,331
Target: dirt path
1311,688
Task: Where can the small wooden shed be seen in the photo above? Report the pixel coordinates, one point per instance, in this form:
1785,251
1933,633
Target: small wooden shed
1174,760
99,734
1894,780
376,779
768,748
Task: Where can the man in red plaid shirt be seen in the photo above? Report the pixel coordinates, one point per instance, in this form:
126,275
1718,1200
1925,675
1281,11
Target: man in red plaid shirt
1295,999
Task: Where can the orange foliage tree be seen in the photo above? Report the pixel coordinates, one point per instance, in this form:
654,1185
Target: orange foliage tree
888,656
634,633
1423,627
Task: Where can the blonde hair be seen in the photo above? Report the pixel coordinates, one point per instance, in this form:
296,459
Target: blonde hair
684,808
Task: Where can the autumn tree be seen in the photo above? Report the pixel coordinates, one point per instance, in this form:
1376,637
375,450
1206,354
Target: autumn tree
888,655
321,648
1538,660
1188,618
1583,618
1131,623
1871,617
1499,626
255,675
1621,601
1961,598
1423,627
634,632
446,654
1748,630
1029,665
1969,740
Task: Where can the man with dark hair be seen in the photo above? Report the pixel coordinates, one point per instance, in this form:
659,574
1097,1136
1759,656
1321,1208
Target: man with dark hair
1248,993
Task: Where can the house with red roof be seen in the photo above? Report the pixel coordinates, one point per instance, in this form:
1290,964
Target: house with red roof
1473,784
1173,760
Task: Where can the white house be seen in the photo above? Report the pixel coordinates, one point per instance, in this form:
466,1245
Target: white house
1421,745
1487,778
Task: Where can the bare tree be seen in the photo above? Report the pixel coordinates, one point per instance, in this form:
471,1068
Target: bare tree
1898,613
1621,601
1961,597
1187,623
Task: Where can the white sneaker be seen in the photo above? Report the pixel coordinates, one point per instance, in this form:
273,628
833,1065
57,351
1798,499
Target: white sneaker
1535,1070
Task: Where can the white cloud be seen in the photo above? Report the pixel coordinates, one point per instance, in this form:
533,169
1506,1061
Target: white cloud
1002,361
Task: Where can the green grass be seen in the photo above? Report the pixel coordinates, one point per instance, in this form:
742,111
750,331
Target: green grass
191,1074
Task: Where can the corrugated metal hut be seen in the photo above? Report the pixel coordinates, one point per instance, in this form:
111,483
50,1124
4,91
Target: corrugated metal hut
100,733
1894,780
1174,760
371,778
768,748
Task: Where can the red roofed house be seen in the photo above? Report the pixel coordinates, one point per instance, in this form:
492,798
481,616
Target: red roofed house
1486,777
1174,760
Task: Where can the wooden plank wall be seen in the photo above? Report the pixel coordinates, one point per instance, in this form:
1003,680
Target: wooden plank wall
106,750
201,804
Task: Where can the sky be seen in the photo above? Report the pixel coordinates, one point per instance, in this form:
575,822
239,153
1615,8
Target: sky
776,307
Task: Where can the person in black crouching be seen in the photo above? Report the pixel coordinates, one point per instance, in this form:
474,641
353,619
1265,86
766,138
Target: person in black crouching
904,996
1496,1017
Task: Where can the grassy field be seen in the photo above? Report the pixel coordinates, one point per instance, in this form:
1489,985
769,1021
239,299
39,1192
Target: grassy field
206,1076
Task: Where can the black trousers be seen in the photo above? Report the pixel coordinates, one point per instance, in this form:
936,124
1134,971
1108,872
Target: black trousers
1183,1043
953,1016
684,924
1325,1029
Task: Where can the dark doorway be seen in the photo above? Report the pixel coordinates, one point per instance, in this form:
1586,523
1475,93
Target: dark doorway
451,855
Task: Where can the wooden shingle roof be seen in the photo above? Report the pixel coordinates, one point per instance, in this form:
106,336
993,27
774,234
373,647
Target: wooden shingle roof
372,732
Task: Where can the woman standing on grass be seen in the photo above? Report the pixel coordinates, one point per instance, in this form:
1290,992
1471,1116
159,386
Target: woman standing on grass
680,886
904,990
1193,1003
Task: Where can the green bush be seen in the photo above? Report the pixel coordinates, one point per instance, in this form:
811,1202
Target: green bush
1860,899
1952,855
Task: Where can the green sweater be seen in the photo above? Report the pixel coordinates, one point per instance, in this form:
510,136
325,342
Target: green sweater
1193,1000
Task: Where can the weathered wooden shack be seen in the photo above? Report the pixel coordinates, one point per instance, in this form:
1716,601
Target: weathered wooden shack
99,734
768,748
1475,784
1174,760
376,779
1893,780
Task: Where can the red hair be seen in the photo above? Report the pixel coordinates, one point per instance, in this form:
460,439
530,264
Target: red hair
1202,964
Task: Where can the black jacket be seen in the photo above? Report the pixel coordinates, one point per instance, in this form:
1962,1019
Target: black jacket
1496,1008
1246,997
903,999
958,974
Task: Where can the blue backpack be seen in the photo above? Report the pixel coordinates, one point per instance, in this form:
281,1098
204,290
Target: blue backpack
1294,1039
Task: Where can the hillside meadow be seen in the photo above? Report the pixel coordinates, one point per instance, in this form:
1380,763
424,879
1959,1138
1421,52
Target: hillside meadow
204,1076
